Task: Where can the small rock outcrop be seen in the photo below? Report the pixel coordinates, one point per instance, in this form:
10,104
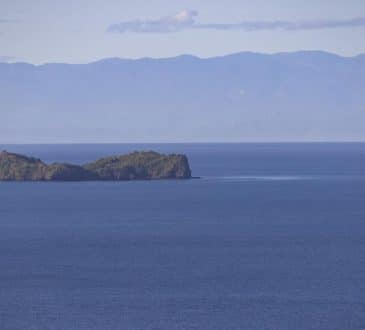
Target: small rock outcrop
146,165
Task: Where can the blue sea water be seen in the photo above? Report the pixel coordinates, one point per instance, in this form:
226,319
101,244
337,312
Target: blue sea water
271,237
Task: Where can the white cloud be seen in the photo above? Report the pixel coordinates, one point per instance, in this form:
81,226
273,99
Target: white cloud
286,25
4,20
7,59
186,19
181,20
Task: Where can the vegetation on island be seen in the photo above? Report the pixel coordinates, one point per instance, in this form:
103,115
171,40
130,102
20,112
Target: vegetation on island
146,165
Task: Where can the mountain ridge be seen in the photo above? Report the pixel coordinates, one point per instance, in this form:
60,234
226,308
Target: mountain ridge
192,56
301,96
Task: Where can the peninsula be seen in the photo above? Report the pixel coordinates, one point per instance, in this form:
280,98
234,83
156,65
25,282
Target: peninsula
145,165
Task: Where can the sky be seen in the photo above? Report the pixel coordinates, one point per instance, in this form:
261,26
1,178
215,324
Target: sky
40,31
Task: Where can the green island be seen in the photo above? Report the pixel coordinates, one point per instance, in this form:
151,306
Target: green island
142,165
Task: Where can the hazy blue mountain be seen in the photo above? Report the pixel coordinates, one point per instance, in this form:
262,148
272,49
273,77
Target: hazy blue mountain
238,97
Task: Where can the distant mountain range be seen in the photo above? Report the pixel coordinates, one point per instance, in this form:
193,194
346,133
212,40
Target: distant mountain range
301,96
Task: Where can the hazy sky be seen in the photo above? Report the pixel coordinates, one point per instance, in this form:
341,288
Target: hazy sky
81,31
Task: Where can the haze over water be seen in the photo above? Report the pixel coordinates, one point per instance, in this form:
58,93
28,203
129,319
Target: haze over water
271,237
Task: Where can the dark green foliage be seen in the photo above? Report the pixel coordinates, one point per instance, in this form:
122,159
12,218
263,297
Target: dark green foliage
15,167
135,166
68,172
142,166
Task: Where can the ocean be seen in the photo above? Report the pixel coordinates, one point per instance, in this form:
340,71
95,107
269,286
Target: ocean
272,236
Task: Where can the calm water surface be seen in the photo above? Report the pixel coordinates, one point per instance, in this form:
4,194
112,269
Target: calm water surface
271,237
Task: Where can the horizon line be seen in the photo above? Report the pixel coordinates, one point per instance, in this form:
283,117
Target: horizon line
193,142
191,56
